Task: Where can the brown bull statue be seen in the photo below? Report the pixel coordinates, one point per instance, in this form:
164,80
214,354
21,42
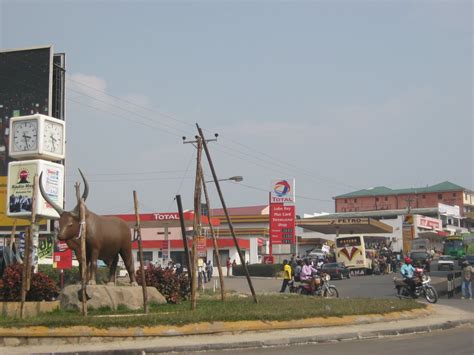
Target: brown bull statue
106,239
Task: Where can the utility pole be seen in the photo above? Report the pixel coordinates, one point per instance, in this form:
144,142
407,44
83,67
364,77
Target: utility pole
229,222
197,218
213,235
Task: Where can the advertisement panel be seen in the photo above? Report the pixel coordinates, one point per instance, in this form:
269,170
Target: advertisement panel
282,214
26,88
26,77
20,188
282,224
201,248
62,256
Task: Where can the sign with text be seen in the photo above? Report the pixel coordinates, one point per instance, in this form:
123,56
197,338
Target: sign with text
282,224
62,256
282,191
201,247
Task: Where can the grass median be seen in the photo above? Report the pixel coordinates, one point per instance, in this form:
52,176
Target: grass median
235,308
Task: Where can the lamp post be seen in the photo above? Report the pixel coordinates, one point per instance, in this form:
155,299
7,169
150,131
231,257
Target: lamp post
232,178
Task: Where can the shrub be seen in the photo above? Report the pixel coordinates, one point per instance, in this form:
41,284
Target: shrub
72,276
172,286
42,287
264,270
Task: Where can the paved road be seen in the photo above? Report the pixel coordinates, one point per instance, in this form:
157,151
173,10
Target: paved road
377,286
458,341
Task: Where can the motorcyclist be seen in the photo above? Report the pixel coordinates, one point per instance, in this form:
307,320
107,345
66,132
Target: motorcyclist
408,272
306,275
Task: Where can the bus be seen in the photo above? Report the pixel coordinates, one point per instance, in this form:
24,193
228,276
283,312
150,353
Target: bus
351,251
454,246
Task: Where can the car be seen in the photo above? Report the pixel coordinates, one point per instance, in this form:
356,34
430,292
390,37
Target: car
469,259
422,258
446,262
336,270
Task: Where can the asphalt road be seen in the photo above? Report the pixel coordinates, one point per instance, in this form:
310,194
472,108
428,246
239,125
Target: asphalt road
374,286
459,341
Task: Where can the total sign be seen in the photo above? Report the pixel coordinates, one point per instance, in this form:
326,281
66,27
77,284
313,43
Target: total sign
282,191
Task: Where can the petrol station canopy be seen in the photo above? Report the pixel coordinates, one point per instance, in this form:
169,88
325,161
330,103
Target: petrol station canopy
357,225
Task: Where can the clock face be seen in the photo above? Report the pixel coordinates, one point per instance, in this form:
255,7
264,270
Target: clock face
25,135
53,137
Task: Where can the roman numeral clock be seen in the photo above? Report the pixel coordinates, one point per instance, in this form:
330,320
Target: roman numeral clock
37,136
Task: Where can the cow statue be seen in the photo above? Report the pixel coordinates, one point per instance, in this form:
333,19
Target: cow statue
106,239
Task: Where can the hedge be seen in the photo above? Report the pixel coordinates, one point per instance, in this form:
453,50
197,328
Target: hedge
264,270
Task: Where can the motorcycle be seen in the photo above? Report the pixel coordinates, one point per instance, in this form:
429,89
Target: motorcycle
422,287
324,288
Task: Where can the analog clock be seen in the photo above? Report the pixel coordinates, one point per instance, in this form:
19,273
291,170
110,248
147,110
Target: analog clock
25,135
53,137
38,137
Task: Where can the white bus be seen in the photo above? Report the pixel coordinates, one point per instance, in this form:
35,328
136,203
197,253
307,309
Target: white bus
350,250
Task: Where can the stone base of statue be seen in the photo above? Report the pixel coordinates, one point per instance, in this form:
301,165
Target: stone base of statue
108,296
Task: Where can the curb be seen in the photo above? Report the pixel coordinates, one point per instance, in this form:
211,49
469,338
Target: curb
40,332
319,339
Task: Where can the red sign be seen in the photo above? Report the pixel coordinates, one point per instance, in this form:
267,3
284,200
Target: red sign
282,224
62,256
201,247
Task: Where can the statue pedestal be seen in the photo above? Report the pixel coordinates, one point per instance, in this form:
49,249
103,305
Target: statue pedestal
108,296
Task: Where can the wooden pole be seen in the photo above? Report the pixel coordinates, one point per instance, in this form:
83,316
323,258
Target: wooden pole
197,221
26,274
213,235
140,253
183,233
229,222
83,234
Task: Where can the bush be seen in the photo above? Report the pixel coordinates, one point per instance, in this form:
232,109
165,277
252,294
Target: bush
172,286
42,287
72,276
264,270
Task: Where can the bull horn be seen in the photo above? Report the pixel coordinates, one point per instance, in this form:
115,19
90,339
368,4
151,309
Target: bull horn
86,186
75,211
46,197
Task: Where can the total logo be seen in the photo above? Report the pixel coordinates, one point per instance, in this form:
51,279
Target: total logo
281,192
281,188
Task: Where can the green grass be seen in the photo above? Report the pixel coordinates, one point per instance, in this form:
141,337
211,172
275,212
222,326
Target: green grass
269,308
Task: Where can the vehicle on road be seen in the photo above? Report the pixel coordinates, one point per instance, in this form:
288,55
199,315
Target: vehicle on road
422,259
350,250
454,246
422,287
446,262
336,270
325,289
469,259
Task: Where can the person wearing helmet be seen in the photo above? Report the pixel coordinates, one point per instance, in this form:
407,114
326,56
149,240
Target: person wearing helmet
408,272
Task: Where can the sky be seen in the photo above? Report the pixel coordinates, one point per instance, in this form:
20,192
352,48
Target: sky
339,95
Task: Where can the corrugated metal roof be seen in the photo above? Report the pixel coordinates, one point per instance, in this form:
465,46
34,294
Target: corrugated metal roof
385,191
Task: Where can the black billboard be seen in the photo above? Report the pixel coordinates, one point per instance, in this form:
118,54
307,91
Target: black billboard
25,89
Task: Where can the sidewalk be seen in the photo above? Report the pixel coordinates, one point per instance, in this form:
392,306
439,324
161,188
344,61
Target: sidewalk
441,317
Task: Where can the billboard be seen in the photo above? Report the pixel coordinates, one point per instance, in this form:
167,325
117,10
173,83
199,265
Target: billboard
282,215
26,88
20,188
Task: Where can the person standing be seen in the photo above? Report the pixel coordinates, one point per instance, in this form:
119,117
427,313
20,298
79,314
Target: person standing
209,269
228,264
286,275
466,286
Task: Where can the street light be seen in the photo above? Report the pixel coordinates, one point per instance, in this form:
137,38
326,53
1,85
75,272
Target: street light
232,178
